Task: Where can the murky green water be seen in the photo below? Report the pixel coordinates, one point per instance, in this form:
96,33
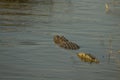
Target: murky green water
27,50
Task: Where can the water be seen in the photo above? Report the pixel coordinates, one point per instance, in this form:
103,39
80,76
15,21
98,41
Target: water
27,50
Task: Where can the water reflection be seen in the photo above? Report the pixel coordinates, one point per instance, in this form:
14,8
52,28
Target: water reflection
113,54
113,7
15,1
23,12
28,43
17,15
9,11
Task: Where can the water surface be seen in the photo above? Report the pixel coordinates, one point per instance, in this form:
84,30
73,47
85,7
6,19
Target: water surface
27,50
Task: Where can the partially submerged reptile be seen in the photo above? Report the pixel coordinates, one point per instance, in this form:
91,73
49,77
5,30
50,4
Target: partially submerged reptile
65,43
62,42
87,57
